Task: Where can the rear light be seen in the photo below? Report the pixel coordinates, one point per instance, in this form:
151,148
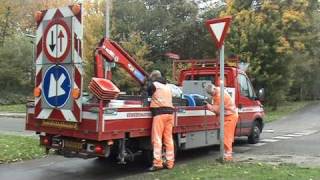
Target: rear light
98,149
37,92
45,141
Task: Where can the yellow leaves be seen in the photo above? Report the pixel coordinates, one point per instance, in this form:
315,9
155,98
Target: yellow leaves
298,45
260,19
284,46
268,5
292,16
93,28
138,49
298,4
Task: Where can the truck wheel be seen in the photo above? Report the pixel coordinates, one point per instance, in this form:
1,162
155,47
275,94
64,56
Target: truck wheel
254,136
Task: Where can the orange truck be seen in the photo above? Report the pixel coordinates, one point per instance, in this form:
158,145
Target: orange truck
107,123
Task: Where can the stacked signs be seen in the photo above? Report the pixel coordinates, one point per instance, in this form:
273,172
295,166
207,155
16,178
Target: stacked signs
59,64
103,89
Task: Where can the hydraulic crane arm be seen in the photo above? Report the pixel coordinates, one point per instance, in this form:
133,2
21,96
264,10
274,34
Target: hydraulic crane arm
112,52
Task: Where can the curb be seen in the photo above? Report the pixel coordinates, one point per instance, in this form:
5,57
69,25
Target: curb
14,115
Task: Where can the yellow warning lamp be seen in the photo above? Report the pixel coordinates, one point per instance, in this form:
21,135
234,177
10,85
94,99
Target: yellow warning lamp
37,92
76,93
38,16
76,9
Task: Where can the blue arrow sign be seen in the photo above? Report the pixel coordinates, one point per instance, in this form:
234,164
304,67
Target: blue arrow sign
56,86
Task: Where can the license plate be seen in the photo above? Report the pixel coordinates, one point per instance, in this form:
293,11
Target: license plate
59,124
74,145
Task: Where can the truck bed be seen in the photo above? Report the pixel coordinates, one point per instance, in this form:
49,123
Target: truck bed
118,123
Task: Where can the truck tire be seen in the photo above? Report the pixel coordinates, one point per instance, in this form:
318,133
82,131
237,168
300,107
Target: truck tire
254,136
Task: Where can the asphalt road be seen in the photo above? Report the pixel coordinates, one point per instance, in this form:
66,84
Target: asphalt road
12,124
295,138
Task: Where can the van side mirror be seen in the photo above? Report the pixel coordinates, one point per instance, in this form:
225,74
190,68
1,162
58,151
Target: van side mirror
261,94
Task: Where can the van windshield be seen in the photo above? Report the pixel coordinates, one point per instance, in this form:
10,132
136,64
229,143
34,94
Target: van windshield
205,77
201,77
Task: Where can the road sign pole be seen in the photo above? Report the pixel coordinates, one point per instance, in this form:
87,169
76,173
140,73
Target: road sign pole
222,102
219,30
108,4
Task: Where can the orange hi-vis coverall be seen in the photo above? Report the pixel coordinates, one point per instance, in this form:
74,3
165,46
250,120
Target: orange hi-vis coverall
162,125
230,120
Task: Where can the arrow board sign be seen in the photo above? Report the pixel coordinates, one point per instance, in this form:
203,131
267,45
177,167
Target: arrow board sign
218,29
57,40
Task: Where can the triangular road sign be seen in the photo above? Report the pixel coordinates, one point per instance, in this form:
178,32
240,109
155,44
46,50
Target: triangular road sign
218,29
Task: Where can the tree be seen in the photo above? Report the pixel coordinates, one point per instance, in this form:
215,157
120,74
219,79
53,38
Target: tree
93,33
306,67
138,49
165,25
267,39
16,67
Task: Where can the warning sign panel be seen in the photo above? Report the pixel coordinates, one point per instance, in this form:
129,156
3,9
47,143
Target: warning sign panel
58,60
57,40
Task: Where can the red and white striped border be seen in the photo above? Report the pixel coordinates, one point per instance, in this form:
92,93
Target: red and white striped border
77,36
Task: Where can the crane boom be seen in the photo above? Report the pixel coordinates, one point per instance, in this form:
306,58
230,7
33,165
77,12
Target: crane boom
112,52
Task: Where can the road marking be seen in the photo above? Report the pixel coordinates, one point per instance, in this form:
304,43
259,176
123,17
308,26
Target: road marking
269,140
282,137
268,131
293,135
304,133
307,132
259,144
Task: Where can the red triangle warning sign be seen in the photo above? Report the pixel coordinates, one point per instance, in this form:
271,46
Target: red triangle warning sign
218,29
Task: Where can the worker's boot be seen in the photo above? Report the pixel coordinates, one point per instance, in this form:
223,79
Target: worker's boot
228,156
157,165
228,159
155,168
169,164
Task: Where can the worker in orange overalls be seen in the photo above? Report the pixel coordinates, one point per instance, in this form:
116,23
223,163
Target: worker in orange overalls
230,117
162,124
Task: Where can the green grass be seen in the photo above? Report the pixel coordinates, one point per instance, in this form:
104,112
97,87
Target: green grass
17,108
284,110
17,148
240,171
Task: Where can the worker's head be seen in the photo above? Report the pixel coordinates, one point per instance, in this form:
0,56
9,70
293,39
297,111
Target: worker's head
155,74
211,89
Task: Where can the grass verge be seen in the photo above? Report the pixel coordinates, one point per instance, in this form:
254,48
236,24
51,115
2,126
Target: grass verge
240,171
284,109
17,148
16,108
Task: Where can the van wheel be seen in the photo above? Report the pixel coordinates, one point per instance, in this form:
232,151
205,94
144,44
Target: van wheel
254,136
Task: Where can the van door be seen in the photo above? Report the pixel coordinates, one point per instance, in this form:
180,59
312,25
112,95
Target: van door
247,105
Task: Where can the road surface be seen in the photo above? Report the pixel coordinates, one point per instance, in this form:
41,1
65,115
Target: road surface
295,138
